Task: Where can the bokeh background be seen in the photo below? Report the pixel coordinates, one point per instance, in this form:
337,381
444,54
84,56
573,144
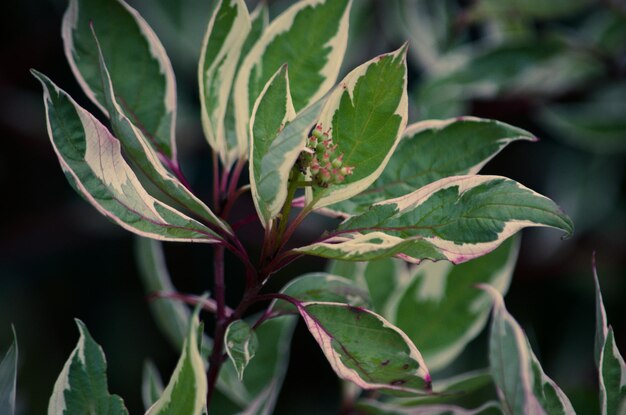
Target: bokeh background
555,68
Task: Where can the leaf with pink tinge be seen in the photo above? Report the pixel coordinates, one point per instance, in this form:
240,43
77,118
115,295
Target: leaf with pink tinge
364,348
92,161
138,150
431,150
457,218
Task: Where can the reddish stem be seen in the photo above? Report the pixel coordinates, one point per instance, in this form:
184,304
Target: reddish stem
216,181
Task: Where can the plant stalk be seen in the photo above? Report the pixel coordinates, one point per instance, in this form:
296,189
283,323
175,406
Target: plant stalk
216,358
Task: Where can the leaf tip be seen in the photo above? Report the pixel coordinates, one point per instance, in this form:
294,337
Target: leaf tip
493,293
38,75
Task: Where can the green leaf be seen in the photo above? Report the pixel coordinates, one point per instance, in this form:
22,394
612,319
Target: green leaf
272,159
228,29
171,316
311,37
610,363
522,386
137,148
372,407
8,378
241,343
256,394
366,114
439,309
92,161
432,150
186,392
321,286
81,388
151,384
140,70
457,218
364,348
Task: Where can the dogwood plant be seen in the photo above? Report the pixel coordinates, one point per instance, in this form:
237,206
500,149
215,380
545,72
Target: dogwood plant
399,299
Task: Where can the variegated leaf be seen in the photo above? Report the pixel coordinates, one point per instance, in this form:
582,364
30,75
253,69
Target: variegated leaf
256,394
425,300
439,309
151,384
364,348
259,22
82,385
186,392
321,286
171,316
610,363
272,158
92,161
240,342
140,70
139,151
228,29
311,37
432,150
372,407
457,218
365,116
8,378
552,398
522,386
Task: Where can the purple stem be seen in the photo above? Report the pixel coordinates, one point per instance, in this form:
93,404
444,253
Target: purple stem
216,181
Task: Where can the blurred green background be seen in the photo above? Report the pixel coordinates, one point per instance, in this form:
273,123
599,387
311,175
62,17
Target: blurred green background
556,68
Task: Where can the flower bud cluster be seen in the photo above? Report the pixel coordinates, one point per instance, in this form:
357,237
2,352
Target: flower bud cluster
323,160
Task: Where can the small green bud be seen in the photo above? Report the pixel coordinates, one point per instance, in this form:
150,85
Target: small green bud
317,132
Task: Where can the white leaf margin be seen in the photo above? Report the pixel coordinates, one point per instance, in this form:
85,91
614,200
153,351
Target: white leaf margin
337,193
151,155
282,24
91,124
531,403
355,242
324,340
274,207
422,126
248,347
189,351
231,49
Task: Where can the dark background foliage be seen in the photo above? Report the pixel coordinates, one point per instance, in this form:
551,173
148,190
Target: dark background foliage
59,259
